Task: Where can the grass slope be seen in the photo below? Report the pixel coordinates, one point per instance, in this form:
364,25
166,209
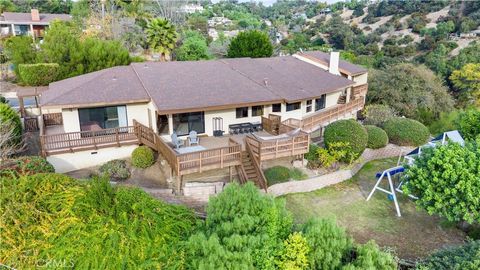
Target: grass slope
414,235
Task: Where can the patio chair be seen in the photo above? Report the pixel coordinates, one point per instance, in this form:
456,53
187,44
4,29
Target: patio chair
193,138
176,141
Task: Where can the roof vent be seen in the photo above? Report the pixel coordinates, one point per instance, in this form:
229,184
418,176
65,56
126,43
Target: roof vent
145,65
265,81
114,78
35,15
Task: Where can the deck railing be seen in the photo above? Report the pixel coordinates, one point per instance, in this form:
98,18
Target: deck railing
326,116
272,149
199,161
86,140
52,119
271,123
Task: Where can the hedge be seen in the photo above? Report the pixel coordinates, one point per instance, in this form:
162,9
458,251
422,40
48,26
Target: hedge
465,257
404,131
347,131
377,137
142,157
378,114
9,115
38,74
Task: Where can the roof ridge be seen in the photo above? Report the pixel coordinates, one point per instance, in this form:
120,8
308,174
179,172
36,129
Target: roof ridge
143,85
246,76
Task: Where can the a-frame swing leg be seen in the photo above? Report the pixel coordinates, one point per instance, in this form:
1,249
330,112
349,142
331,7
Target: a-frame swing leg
392,188
376,186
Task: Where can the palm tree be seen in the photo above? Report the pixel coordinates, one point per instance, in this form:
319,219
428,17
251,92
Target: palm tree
161,36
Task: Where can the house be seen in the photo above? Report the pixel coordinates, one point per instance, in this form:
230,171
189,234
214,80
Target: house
103,115
192,8
33,23
219,21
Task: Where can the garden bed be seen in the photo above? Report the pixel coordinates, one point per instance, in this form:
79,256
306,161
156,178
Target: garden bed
414,235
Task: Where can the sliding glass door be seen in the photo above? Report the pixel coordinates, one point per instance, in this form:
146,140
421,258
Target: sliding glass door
94,119
183,123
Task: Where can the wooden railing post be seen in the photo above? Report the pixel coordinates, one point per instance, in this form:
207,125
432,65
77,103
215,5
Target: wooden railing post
116,137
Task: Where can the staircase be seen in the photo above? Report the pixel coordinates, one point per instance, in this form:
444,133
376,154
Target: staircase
250,169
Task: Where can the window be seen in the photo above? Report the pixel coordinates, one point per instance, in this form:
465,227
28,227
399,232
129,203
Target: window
257,110
320,102
242,112
162,124
293,106
93,119
183,123
309,106
277,107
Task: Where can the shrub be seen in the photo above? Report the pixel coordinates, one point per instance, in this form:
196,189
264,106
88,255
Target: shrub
294,253
38,74
404,131
277,174
328,243
446,122
115,169
445,180
369,256
312,154
350,132
469,123
87,224
33,164
377,114
9,116
142,157
377,137
244,229
465,257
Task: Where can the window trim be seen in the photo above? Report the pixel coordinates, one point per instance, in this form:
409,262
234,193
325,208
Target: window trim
308,106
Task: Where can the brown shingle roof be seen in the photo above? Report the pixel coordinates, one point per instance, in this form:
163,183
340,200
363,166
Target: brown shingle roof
45,18
288,77
183,86
109,86
325,59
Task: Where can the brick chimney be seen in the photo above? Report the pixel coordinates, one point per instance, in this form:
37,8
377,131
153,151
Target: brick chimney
35,15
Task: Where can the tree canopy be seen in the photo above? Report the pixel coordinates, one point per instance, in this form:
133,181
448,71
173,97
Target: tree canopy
251,43
161,36
194,47
411,91
467,81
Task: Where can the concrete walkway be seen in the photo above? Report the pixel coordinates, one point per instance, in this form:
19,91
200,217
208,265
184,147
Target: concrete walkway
322,181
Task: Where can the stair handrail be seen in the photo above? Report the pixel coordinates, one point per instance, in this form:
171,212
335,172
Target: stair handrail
256,166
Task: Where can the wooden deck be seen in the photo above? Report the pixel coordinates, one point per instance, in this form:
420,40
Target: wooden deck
324,117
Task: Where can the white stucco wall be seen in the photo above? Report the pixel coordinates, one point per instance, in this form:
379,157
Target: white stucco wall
229,118
361,79
137,112
71,121
84,159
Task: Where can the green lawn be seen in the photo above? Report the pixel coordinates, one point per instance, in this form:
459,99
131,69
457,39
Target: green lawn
413,235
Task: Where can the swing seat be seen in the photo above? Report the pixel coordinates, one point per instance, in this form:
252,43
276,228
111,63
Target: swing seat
392,172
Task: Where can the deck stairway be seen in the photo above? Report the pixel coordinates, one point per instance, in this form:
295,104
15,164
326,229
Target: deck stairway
250,169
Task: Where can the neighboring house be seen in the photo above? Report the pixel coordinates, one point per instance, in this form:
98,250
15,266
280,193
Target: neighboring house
219,21
192,8
148,102
33,23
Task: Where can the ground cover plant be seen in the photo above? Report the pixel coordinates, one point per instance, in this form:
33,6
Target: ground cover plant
280,174
86,225
115,169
